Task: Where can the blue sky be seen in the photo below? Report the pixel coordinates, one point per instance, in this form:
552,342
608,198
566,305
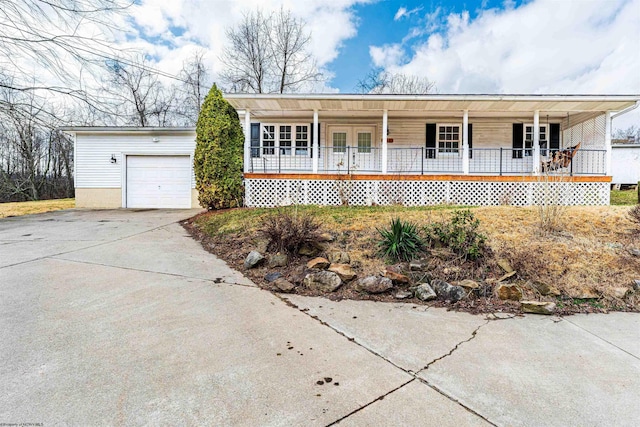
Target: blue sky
376,26
470,46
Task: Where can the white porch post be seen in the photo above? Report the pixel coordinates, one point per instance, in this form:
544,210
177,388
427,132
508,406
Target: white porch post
536,142
316,146
465,142
607,142
385,127
247,140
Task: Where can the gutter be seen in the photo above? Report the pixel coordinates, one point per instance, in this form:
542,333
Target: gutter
626,110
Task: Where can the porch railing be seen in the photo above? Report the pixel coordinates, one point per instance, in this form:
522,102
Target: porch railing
418,160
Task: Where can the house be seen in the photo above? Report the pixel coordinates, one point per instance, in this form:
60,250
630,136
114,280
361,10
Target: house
372,149
428,149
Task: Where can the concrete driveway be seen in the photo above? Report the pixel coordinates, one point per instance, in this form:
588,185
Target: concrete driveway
119,318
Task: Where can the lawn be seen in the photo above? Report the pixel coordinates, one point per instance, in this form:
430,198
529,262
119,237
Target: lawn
624,197
40,206
587,262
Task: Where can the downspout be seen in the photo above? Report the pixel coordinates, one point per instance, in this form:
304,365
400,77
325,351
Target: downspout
626,110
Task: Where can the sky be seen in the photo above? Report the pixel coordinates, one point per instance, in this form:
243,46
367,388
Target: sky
463,46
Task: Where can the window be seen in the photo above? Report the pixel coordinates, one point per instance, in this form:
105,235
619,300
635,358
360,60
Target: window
268,139
339,142
364,142
528,139
285,140
448,138
302,140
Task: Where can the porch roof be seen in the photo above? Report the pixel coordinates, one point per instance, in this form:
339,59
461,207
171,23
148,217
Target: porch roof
353,105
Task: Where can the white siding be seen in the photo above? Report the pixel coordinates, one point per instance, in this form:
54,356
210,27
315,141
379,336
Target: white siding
93,153
626,164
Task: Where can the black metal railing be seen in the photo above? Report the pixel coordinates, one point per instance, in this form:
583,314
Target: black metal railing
421,160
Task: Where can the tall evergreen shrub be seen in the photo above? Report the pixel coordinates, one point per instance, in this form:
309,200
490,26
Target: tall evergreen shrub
218,160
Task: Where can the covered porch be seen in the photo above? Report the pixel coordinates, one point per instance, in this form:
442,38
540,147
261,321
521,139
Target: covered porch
421,138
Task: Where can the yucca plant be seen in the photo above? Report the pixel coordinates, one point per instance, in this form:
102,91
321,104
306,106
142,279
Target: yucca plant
401,242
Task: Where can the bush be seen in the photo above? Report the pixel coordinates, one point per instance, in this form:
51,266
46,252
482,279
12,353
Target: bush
289,231
634,216
217,160
460,234
401,242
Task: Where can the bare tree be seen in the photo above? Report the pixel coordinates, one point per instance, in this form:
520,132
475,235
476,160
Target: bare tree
267,54
291,59
36,160
194,87
138,96
379,81
628,134
55,38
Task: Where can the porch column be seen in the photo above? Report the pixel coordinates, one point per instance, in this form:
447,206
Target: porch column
607,143
465,142
385,127
315,147
536,142
247,140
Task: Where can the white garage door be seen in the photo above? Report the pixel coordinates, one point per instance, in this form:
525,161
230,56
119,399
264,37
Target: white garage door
158,182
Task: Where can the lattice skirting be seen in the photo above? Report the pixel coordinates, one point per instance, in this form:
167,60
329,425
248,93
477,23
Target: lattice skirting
282,192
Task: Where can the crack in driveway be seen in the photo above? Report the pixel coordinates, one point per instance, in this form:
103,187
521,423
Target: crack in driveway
414,375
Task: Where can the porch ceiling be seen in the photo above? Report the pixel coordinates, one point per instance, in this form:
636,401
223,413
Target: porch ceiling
336,105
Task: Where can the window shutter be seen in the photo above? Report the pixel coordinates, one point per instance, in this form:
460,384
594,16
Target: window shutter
554,136
470,139
518,140
431,141
311,137
255,139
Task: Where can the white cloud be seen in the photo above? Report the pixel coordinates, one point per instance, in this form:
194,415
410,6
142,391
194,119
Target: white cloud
545,46
331,23
404,13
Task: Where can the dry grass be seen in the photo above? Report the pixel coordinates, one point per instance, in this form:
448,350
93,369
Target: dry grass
40,206
589,256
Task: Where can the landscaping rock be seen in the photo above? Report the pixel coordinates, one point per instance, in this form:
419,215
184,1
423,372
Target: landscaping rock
273,276
254,259
469,284
322,281
345,271
419,265
326,237
634,251
396,278
583,294
509,292
284,285
307,250
319,263
545,289
619,292
339,257
373,284
403,295
298,274
507,276
636,285
504,264
538,307
424,292
262,246
278,260
446,291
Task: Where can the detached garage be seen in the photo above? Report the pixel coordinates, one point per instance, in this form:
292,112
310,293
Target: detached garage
134,167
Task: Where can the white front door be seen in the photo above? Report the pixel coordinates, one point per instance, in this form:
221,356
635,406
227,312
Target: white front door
352,149
158,182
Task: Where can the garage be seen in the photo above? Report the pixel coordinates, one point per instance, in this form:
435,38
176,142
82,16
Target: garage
158,181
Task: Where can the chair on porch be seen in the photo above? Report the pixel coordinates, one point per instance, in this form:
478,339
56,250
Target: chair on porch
560,159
